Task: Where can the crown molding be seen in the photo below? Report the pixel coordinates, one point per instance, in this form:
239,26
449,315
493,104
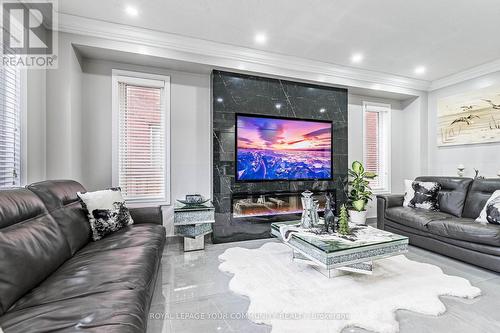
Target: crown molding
212,53
471,73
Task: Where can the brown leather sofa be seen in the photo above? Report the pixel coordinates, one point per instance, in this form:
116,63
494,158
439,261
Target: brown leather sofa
54,278
452,231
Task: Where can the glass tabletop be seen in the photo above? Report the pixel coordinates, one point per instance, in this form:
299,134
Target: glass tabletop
332,243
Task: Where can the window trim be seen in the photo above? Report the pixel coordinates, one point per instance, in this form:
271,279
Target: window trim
24,127
385,110
150,80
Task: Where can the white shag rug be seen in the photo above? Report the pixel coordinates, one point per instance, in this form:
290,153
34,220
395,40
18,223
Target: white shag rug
291,296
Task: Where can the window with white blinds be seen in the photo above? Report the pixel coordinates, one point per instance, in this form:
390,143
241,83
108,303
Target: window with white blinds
376,144
142,146
10,127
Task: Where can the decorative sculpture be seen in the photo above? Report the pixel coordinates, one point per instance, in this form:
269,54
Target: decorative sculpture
343,221
477,176
310,217
330,213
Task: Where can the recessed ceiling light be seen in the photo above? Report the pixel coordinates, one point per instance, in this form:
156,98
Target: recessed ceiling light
356,58
131,11
220,99
260,38
278,106
420,70
322,110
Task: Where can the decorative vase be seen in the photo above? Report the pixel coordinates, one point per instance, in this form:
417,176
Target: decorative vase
357,217
310,216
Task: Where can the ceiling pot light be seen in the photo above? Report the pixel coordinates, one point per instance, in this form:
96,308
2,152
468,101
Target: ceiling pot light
220,99
356,58
131,11
260,38
420,70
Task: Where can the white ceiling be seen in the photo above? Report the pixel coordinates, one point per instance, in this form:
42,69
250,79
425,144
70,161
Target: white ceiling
395,36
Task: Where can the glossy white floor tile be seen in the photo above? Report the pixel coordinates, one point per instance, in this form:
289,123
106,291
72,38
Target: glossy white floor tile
191,284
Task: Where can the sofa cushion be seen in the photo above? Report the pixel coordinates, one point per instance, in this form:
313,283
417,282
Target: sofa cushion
32,245
126,260
414,217
467,230
479,192
453,192
131,236
18,205
59,196
113,311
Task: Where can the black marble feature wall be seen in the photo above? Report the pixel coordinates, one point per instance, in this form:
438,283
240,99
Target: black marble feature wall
237,93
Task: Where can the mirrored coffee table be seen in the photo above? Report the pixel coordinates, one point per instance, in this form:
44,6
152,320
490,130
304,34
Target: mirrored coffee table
332,255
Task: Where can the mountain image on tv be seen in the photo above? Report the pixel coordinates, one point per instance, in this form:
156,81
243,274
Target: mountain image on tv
269,148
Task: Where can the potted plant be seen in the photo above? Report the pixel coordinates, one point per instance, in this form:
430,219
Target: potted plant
359,192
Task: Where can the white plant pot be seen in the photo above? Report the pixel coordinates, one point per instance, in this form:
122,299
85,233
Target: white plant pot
357,217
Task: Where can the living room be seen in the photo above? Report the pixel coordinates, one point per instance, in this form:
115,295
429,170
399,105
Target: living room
250,166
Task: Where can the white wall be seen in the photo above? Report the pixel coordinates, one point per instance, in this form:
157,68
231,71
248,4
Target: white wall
406,135
63,115
190,128
444,160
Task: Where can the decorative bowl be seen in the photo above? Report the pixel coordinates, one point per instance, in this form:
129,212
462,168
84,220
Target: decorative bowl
193,200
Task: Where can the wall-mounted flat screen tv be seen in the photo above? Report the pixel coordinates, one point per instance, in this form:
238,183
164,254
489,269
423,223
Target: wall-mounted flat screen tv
273,148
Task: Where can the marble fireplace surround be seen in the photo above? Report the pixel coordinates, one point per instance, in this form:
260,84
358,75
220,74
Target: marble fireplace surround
238,93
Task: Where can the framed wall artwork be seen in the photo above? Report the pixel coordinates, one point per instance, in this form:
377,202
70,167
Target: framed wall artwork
469,118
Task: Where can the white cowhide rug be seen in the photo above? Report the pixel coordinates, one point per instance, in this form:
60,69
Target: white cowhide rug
294,297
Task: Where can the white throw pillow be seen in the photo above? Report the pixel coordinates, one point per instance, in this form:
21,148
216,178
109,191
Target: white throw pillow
492,203
409,192
106,211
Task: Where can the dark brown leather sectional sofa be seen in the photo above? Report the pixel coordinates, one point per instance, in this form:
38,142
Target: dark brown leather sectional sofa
54,278
453,230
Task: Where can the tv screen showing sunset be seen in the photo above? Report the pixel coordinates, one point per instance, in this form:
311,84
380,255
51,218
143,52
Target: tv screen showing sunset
283,149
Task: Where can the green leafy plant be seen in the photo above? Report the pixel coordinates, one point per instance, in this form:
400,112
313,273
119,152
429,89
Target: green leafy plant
359,186
343,221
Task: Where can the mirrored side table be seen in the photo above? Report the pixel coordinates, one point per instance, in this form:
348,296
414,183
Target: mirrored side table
193,223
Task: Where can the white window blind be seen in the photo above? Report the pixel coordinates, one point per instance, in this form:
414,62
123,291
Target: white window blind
10,127
376,149
142,145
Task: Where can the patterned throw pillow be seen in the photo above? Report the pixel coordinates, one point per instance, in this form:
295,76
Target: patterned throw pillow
409,192
106,211
426,195
491,211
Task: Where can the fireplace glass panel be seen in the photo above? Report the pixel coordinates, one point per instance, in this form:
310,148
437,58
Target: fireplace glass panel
271,204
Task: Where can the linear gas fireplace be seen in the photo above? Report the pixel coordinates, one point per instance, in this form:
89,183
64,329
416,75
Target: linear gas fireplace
271,206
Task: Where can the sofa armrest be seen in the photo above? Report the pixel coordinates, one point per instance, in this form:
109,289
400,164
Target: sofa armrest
147,215
383,203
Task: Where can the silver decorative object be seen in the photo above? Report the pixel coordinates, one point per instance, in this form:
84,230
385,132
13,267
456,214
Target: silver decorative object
310,217
460,170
